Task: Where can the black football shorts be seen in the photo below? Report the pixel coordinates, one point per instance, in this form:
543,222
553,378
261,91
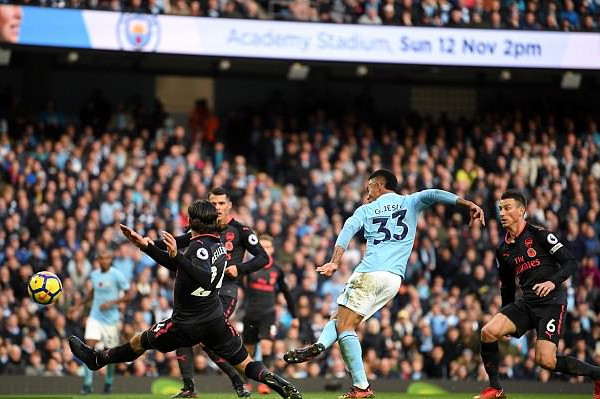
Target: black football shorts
547,319
217,335
257,328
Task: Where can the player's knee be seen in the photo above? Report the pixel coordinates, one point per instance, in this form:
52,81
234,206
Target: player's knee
136,343
241,366
342,325
347,322
545,361
488,335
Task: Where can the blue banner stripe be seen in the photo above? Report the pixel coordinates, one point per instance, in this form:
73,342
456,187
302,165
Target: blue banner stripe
53,27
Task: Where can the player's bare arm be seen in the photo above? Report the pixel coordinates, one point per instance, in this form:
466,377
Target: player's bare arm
127,297
170,243
134,237
475,210
182,241
329,268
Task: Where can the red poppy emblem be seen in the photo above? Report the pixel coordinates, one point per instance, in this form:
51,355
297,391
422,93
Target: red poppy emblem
531,252
229,246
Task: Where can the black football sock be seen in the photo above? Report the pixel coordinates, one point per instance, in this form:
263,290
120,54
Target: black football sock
185,358
574,366
120,354
227,368
491,359
257,371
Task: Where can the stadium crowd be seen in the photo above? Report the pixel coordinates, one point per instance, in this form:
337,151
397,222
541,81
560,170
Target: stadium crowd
66,185
553,15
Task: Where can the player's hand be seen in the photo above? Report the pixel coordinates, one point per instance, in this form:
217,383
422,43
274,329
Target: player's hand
231,271
476,214
295,323
328,269
543,289
135,238
170,243
105,306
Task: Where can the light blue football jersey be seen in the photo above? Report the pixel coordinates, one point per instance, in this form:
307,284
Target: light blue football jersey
390,224
107,287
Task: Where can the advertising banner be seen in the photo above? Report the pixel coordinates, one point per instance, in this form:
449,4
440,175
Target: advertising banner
299,41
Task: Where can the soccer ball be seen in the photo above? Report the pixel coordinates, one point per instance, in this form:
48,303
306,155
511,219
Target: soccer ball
44,288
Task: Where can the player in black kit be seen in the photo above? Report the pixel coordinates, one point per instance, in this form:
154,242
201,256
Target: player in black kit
197,314
261,295
238,239
542,263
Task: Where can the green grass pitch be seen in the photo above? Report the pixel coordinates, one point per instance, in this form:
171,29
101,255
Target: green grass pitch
317,395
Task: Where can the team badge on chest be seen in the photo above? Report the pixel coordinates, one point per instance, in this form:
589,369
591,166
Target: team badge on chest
531,252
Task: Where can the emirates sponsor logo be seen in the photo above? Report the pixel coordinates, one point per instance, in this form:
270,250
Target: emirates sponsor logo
527,265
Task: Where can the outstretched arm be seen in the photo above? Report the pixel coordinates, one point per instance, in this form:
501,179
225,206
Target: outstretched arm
429,197
160,256
183,241
474,209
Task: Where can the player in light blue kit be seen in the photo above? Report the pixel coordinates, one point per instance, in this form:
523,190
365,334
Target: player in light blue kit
102,326
390,225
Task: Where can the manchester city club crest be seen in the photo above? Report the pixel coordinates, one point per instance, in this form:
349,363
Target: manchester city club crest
138,32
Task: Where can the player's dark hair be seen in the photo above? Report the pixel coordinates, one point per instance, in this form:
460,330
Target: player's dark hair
391,182
203,217
516,195
220,191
